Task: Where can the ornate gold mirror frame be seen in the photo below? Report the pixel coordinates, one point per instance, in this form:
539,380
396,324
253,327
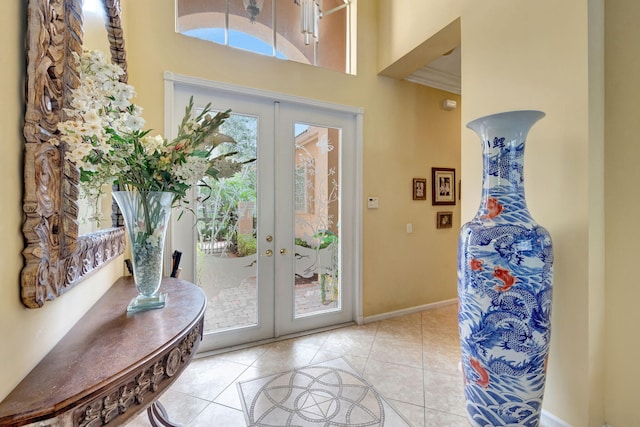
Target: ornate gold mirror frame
56,258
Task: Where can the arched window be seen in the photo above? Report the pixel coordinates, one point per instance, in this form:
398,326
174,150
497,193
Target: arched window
314,32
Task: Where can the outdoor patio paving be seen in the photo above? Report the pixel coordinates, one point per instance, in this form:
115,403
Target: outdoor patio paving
236,306
230,285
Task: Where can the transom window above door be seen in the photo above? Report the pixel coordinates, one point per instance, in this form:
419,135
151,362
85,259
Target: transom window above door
316,32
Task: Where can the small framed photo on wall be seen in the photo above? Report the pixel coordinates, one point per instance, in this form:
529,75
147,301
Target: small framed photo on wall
419,189
443,183
445,220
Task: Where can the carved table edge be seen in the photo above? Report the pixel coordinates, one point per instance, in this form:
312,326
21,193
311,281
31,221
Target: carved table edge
128,396
142,386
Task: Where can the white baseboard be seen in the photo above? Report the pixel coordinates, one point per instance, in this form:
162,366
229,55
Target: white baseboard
410,310
547,419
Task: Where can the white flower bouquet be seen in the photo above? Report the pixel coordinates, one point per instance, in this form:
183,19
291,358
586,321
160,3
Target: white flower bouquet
104,137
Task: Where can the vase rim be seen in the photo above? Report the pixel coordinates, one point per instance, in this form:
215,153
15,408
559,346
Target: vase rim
508,119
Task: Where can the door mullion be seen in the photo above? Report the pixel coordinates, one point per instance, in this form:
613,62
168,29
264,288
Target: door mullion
277,136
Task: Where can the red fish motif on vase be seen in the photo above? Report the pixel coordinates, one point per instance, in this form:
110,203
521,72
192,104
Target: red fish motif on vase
505,276
494,208
476,264
483,375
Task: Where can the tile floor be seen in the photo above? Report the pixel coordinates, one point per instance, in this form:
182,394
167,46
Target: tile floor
411,360
330,393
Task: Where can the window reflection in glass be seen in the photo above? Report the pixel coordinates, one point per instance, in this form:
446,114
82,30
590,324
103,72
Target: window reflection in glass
275,30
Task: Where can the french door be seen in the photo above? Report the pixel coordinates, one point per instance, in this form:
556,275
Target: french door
273,242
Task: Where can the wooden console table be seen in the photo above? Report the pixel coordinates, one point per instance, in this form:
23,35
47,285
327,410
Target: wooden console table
112,365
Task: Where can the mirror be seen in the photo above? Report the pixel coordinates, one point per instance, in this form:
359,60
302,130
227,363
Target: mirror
56,258
94,213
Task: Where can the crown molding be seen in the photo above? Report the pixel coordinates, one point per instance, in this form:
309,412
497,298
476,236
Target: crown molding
432,77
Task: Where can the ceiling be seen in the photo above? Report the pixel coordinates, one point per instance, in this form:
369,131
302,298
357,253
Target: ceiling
443,73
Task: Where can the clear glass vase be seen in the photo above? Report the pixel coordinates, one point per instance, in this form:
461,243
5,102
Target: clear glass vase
146,216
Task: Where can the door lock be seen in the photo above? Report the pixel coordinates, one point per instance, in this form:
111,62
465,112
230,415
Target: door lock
283,251
269,238
268,252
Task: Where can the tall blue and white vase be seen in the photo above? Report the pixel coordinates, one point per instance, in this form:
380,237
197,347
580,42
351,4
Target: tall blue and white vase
505,271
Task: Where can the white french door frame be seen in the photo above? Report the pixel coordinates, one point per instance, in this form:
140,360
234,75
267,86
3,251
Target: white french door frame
174,81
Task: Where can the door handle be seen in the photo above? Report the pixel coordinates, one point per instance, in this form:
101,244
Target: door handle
283,251
268,252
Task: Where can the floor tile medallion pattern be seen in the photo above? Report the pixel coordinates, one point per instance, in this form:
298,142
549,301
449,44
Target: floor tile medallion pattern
331,393
412,360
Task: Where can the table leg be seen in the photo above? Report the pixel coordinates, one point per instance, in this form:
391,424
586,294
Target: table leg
158,416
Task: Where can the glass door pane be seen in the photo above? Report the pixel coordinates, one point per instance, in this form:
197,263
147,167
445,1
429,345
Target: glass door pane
317,215
227,245
314,226
226,262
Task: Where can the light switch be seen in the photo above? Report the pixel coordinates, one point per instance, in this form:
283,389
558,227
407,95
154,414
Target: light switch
409,228
372,202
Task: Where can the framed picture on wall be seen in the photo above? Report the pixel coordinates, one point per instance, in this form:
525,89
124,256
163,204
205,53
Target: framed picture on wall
419,189
445,220
443,183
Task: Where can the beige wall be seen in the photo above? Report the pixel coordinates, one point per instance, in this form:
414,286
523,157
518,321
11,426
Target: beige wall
622,206
540,55
404,25
27,334
512,60
405,134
